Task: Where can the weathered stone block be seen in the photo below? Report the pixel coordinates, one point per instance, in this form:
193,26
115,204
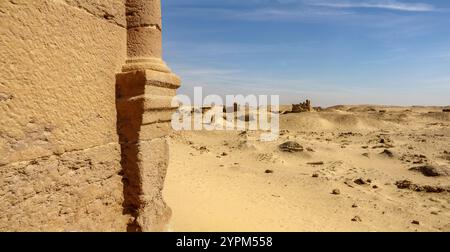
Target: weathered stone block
76,191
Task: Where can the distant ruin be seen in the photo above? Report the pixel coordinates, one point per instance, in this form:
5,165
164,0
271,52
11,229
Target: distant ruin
302,107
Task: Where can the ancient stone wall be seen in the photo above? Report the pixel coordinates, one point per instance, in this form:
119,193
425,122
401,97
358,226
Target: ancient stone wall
60,155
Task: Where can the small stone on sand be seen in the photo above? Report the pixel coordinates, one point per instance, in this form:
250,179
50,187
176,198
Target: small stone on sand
316,163
387,153
360,181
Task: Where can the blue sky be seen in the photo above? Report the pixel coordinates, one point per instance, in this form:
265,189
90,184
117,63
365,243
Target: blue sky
331,51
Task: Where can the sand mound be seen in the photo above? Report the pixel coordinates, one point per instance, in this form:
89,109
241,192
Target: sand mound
438,116
334,121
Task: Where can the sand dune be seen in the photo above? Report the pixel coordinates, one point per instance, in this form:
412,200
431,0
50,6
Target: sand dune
354,173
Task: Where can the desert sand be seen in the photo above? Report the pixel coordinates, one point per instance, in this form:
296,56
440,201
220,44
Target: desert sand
358,168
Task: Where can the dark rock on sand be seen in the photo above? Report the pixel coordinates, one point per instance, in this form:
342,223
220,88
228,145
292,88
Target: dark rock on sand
291,146
360,181
432,171
406,184
316,163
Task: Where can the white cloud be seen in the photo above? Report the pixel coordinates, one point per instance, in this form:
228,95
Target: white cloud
263,14
389,5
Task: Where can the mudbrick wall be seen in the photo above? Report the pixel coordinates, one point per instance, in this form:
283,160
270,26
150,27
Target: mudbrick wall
67,161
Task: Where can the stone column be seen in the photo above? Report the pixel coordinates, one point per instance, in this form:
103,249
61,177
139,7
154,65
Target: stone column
144,92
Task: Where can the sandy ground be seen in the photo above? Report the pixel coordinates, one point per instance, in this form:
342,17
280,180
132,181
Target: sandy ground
228,181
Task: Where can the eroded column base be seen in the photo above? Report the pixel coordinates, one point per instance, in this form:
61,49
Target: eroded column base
145,166
144,112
